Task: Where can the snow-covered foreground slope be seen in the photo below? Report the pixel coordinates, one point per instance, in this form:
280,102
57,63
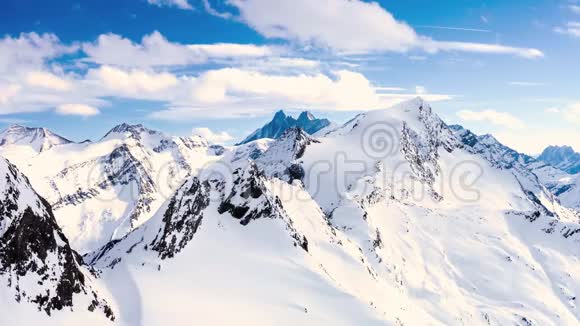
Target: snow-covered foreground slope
41,278
246,268
102,190
392,218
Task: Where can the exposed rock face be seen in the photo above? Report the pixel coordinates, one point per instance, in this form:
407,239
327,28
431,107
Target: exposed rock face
281,158
282,122
36,259
182,218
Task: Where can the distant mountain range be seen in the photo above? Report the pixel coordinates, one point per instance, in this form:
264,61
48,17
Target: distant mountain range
282,122
562,157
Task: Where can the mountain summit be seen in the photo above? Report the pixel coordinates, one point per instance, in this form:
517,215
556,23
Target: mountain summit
282,122
562,157
39,139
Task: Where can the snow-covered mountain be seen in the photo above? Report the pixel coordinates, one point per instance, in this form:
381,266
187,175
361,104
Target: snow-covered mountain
101,190
39,271
281,122
418,226
562,157
34,139
392,218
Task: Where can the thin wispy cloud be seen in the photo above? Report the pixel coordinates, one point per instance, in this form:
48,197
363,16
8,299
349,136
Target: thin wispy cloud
181,4
453,28
574,8
570,28
370,28
525,84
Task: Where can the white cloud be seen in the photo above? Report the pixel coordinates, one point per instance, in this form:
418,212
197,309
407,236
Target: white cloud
8,91
503,119
47,80
434,46
29,50
552,110
213,137
181,4
132,82
239,92
348,90
534,140
230,50
350,26
210,10
571,28
455,28
155,50
77,109
525,84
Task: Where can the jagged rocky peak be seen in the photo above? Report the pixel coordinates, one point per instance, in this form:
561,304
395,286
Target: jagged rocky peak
36,261
182,218
297,139
39,139
281,122
562,157
281,158
305,116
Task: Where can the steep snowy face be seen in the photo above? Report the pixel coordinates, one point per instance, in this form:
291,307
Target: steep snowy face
562,157
37,265
37,139
281,122
107,188
404,143
414,193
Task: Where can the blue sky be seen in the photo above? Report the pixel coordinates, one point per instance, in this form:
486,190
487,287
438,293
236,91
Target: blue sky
80,67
